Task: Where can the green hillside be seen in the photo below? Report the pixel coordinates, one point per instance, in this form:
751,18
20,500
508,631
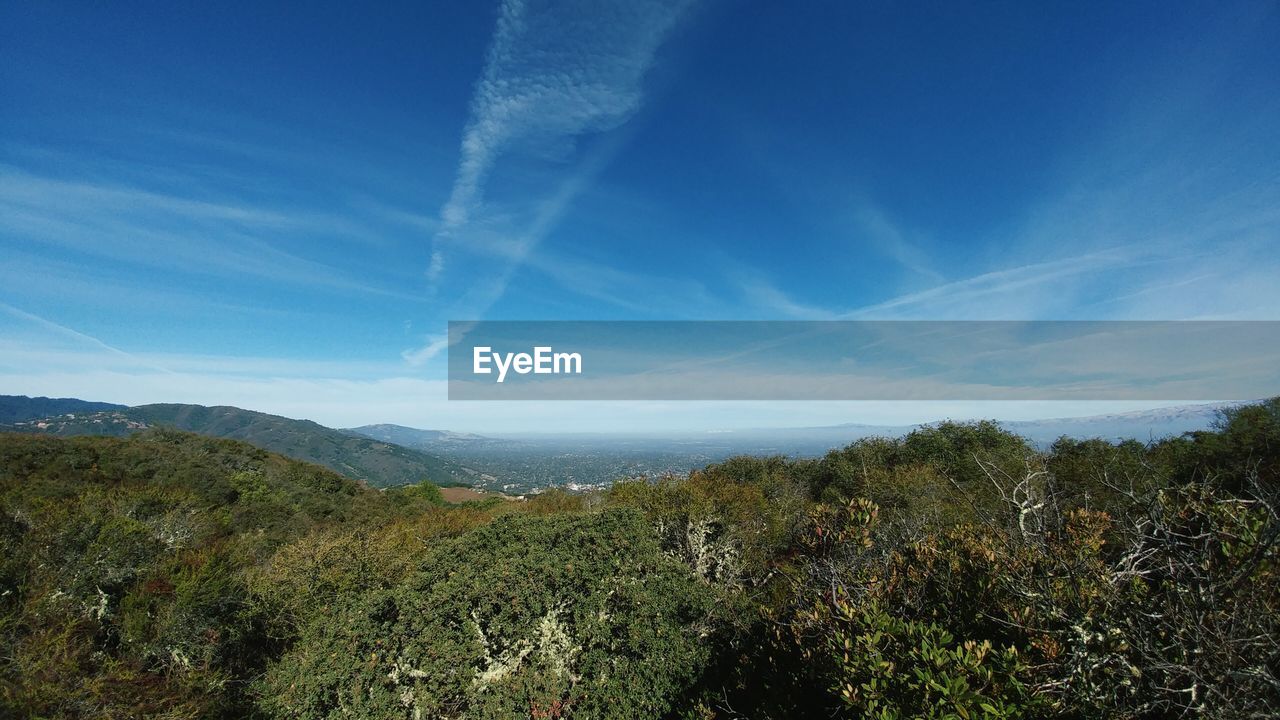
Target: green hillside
956,572
125,567
381,464
17,408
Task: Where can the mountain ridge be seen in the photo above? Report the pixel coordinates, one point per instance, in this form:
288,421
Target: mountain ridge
19,408
379,463
411,436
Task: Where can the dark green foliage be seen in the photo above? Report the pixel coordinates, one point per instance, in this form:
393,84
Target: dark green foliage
890,669
935,474
123,568
317,571
956,449
190,614
425,491
576,614
1242,452
727,522
1098,475
1171,609
848,472
955,573
380,464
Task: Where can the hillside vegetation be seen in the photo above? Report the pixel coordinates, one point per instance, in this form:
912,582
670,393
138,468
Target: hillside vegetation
381,464
952,573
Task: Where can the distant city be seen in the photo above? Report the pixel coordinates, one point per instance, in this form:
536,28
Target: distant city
530,463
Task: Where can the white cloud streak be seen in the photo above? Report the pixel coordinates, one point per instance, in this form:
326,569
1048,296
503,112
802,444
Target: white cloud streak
436,344
1004,294
76,335
882,232
175,233
555,72
987,295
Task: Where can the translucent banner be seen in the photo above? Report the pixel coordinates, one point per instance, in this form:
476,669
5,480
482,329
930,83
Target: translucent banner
864,360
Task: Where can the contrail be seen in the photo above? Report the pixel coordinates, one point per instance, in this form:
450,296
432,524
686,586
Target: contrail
555,71
77,335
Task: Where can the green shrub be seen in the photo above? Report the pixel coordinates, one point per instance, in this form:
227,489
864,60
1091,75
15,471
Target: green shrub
571,615
888,668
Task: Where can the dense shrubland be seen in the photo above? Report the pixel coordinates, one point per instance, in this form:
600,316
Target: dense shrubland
955,573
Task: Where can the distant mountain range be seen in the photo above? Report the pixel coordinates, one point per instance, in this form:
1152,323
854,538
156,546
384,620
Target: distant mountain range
385,454
413,437
523,462
1141,425
380,463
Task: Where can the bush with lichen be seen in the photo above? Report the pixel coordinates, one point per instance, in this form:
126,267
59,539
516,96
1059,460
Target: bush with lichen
529,616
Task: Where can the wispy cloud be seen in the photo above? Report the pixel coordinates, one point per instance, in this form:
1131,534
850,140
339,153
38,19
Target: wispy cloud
995,294
181,234
84,338
1161,206
890,237
24,190
1007,293
554,72
436,344
771,301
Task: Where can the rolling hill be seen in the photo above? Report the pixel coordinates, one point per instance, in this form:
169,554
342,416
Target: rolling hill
413,437
379,463
17,408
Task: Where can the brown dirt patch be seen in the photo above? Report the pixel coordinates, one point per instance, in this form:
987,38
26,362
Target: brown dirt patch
463,494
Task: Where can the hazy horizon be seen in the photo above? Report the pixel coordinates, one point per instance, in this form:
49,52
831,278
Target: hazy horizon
799,415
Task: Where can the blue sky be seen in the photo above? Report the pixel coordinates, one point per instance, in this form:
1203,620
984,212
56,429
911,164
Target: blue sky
280,206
